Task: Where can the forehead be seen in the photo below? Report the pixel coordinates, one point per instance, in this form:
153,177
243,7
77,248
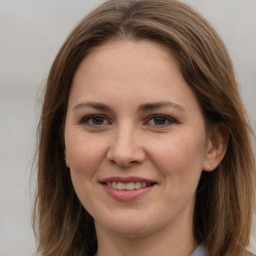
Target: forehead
130,70
126,58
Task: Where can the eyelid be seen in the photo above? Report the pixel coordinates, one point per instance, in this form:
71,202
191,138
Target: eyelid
85,119
171,120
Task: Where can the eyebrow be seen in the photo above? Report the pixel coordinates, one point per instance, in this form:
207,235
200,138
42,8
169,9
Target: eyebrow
156,105
142,108
95,105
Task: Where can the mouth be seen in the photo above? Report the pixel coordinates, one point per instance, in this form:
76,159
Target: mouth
127,188
117,185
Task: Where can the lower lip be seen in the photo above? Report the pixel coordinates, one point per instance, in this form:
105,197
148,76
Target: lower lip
127,195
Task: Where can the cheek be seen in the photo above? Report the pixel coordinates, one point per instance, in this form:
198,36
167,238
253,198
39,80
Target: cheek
85,157
179,158
84,154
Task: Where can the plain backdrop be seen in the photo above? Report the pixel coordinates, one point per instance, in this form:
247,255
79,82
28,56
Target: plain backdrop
31,32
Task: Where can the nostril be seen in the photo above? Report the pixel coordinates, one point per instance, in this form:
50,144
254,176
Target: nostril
125,154
124,164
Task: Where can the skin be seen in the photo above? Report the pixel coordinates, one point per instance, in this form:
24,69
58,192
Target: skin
126,140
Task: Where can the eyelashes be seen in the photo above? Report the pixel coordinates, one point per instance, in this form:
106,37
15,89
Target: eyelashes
160,120
95,120
155,120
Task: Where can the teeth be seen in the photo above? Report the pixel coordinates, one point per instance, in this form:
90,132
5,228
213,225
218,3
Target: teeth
143,184
114,185
120,186
137,185
127,186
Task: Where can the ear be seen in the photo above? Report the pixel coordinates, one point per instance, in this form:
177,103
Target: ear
66,160
216,147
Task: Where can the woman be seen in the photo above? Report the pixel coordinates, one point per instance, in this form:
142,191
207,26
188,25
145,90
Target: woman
145,147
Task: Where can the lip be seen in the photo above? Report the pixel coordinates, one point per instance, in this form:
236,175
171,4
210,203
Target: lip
127,195
127,179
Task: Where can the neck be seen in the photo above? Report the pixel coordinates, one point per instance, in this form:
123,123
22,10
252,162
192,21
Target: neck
165,242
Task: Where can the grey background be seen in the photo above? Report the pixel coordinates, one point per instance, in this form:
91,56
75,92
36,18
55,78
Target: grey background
31,32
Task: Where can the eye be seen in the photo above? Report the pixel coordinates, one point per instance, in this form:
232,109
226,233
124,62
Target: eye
95,120
160,120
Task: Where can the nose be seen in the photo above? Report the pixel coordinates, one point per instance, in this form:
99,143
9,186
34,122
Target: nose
126,148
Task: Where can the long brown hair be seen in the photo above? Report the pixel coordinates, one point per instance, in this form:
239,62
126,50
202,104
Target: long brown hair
225,197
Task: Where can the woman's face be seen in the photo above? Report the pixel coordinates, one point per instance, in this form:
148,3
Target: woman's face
135,139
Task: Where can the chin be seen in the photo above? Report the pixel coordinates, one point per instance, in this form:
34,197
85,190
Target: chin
131,226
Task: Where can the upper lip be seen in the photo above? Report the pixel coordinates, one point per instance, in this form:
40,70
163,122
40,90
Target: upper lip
127,179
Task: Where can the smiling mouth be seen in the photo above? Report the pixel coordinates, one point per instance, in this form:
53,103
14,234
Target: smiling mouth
128,185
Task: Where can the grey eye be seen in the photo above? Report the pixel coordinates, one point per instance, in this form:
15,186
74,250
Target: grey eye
94,120
160,120
98,120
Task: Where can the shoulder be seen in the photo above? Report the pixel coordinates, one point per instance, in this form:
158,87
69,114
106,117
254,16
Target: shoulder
199,251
